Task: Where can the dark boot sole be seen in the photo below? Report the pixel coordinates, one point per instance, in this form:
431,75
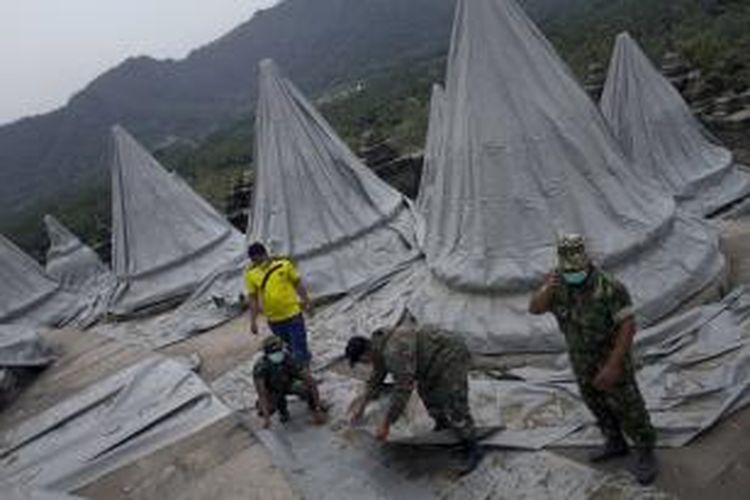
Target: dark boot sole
606,457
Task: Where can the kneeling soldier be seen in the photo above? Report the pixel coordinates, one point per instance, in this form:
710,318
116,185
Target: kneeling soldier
277,375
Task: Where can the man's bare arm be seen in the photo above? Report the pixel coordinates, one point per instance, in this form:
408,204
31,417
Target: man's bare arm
304,297
264,402
254,313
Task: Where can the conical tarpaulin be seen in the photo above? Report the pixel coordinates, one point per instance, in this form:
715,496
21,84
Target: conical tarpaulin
662,138
432,149
432,145
165,238
527,157
69,261
315,202
27,294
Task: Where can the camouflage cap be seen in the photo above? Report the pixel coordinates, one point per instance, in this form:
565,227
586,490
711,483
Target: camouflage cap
571,253
272,343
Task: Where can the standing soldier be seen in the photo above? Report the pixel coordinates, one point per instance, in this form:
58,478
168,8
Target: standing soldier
275,288
595,313
438,365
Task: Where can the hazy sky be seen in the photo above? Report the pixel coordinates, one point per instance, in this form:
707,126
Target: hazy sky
50,49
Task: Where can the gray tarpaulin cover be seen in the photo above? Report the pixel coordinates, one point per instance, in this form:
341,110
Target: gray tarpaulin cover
22,346
316,202
69,261
165,238
527,156
693,370
27,293
15,492
110,424
80,270
658,132
432,147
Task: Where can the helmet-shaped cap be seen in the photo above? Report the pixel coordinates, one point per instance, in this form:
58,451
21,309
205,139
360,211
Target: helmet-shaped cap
272,344
571,253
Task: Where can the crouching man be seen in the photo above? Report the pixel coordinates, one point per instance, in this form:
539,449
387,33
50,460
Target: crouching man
436,364
595,313
276,375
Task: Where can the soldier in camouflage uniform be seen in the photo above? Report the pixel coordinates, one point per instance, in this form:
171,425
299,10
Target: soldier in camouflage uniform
437,364
595,313
276,375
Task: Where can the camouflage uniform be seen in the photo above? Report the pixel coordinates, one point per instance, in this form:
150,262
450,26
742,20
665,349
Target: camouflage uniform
589,316
437,364
280,380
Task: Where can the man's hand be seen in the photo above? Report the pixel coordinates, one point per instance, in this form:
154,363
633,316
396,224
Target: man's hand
608,376
254,327
383,430
308,308
356,411
319,418
540,300
552,280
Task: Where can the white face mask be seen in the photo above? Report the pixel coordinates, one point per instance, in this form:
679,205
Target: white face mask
276,357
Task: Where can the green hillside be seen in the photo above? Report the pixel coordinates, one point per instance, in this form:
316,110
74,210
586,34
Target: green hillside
392,102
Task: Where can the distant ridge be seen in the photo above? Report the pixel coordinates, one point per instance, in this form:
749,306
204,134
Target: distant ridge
319,41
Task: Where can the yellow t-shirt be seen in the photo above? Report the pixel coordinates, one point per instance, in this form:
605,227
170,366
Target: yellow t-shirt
279,299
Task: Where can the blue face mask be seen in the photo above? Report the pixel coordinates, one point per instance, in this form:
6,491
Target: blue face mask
276,357
575,278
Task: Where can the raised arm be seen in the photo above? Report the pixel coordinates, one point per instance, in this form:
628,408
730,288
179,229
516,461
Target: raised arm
541,300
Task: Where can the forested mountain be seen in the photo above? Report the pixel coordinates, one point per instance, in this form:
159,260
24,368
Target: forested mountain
198,111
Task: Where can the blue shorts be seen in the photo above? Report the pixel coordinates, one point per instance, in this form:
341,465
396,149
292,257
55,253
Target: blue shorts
292,331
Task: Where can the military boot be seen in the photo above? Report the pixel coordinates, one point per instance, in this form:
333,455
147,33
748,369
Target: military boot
474,455
613,448
441,425
283,410
644,466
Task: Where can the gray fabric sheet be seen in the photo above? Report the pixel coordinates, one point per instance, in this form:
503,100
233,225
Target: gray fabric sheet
527,156
110,424
22,346
324,465
544,476
80,271
693,370
433,143
661,136
329,462
165,238
316,202
27,294
742,210
16,492
69,261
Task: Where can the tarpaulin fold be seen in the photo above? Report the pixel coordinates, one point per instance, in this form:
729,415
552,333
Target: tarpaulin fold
165,238
316,202
661,136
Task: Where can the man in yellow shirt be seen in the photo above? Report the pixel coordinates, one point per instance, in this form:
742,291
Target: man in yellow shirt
274,287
